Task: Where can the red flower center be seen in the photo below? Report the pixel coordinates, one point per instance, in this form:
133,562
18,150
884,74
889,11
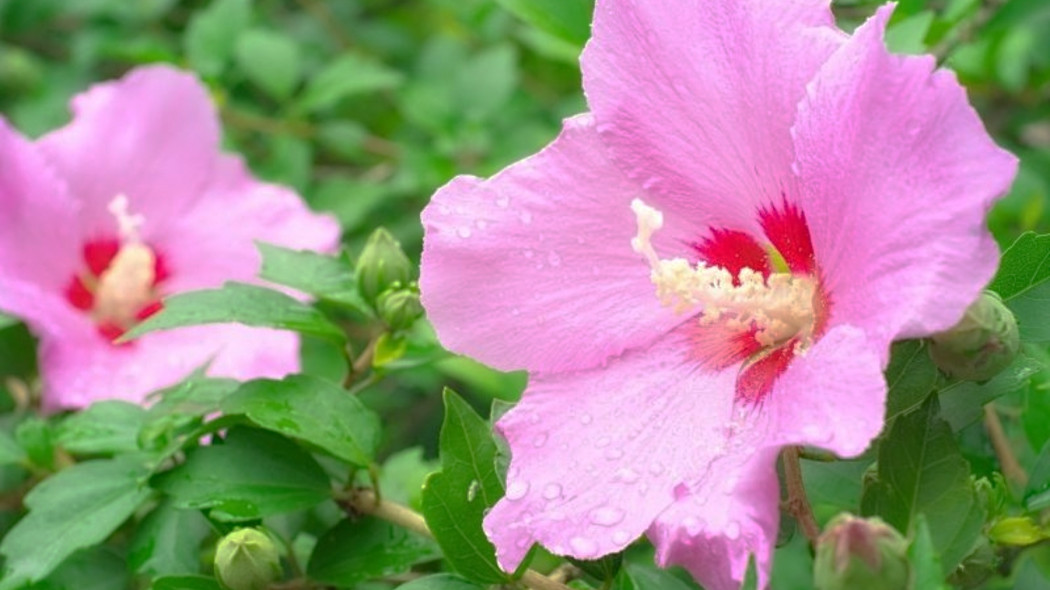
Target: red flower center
722,344
119,284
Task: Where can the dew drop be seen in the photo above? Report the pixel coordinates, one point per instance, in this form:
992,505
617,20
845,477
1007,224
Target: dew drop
540,440
656,468
528,253
463,232
613,454
627,475
586,419
472,491
621,537
516,490
607,516
552,491
444,209
553,259
583,547
526,217
733,530
602,442
502,201
481,224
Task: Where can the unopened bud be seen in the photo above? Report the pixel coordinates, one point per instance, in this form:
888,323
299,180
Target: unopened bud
981,345
860,554
399,308
247,559
381,265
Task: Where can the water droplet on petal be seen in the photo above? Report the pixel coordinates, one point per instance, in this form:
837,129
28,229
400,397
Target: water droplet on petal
656,468
621,537
607,516
583,547
481,224
526,217
626,475
602,442
463,232
528,253
552,491
516,490
733,530
540,440
613,454
586,419
692,525
553,259
502,201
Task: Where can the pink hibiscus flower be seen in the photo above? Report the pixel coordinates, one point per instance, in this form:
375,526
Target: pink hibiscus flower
128,203
710,265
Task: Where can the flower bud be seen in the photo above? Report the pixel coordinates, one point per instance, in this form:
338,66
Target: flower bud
247,559
381,265
399,308
860,554
983,343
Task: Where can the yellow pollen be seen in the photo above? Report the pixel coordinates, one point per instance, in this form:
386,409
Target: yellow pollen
780,307
127,285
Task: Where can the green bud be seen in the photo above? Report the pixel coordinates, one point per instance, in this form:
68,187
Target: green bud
381,265
860,554
247,559
1016,530
982,344
399,308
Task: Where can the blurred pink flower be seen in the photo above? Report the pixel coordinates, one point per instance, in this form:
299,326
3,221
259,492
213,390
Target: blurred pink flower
128,203
710,265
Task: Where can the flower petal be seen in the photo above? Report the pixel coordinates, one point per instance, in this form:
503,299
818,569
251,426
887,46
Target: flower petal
81,367
896,175
597,455
214,242
730,516
833,397
152,136
39,233
534,268
696,98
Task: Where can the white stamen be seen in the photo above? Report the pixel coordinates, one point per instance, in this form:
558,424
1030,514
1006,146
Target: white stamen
127,223
780,307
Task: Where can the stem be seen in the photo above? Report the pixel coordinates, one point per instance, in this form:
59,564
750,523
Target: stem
1008,462
364,501
797,502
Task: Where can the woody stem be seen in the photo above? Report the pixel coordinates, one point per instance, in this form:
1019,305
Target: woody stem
797,503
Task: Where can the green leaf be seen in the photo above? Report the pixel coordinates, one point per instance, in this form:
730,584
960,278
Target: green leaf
329,278
833,486
366,548
36,438
255,473
1022,282
78,507
270,60
10,452
1037,492
569,20
911,377
962,402
349,75
312,410
103,428
97,568
6,321
646,576
440,582
186,583
909,35
456,499
921,471
240,303
487,81
168,541
927,572
212,33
